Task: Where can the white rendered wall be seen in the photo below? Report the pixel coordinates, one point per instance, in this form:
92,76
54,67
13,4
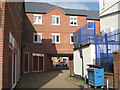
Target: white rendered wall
110,22
109,16
77,63
88,58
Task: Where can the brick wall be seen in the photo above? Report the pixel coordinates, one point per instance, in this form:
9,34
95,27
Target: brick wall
46,29
110,78
47,47
116,61
1,42
11,22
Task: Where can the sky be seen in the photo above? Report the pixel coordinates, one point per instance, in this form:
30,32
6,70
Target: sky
73,4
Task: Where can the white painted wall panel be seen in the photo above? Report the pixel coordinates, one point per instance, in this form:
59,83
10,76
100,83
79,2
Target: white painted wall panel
88,58
77,63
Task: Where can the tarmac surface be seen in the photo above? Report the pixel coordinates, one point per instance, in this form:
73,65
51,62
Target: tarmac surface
51,79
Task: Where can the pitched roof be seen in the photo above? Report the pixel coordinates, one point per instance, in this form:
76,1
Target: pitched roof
40,7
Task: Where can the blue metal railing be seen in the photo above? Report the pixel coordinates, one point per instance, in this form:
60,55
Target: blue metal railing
84,34
104,44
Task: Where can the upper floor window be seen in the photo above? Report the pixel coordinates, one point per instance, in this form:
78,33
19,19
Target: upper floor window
55,38
37,37
90,24
71,38
55,20
73,21
102,4
37,19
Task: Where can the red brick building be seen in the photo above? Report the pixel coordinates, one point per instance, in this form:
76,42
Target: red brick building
11,15
48,32
29,40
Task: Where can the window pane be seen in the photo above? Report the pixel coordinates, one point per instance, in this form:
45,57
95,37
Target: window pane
71,18
35,38
58,20
57,39
39,38
90,25
64,59
35,19
53,20
75,23
71,22
75,18
53,38
71,38
39,19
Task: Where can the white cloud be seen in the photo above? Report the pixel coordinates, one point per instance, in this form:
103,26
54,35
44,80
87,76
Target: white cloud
71,5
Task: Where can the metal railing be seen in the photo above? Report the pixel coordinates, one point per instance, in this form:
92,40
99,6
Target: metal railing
104,44
84,34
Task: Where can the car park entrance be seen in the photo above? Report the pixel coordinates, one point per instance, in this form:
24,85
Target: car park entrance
60,62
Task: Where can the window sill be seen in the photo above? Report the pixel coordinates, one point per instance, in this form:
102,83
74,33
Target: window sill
55,43
74,25
37,42
56,24
37,24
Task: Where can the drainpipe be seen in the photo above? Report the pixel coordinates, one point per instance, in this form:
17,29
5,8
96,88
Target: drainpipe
82,66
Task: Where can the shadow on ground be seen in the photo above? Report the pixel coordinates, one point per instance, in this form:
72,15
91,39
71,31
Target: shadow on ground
37,80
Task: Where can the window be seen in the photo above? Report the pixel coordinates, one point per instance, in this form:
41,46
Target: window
71,38
73,21
65,59
37,19
55,38
102,4
55,20
37,38
90,24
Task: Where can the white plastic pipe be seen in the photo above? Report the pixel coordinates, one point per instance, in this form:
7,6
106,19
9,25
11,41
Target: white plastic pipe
107,84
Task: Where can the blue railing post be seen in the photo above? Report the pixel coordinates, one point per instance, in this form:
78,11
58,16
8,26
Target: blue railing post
106,41
95,42
80,43
80,37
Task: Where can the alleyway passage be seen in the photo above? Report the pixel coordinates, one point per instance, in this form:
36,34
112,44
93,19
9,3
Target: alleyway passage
50,79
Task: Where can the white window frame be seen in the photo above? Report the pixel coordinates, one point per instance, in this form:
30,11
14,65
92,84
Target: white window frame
70,38
65,58
39,55
37,37
55,16
56,34
102,4
92,22
73,17
37,20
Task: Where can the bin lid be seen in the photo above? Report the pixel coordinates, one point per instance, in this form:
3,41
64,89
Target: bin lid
94,66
